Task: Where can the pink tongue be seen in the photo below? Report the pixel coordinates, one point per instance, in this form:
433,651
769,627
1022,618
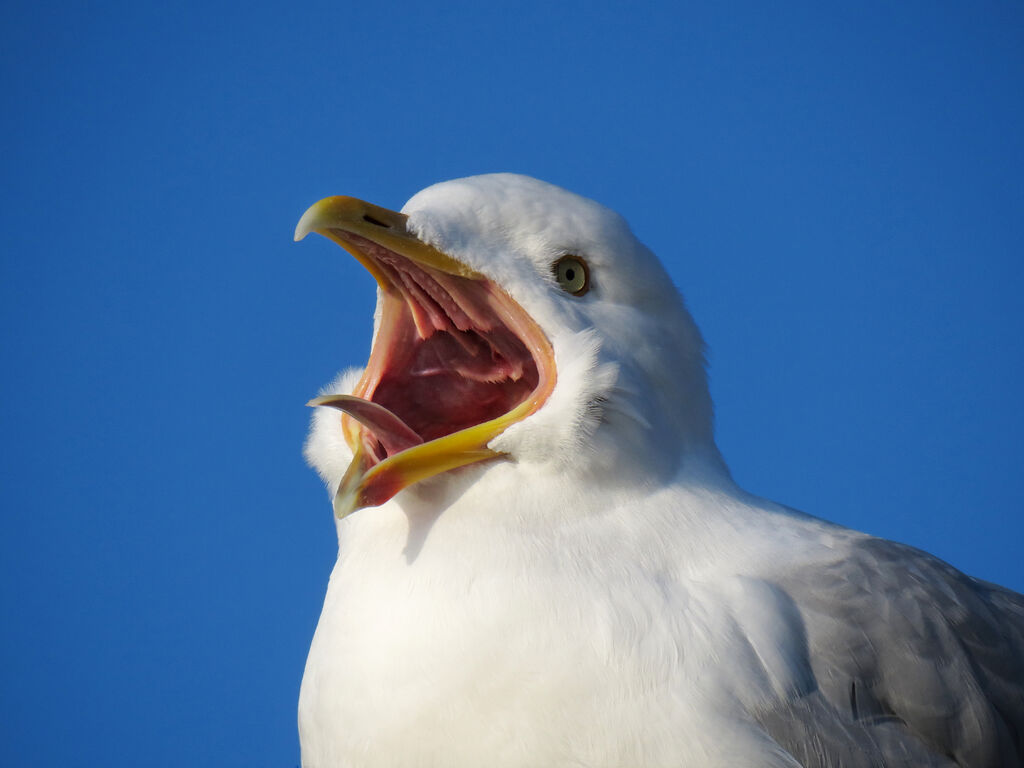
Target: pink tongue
394,434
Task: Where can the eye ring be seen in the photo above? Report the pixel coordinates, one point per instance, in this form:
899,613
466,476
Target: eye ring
572,274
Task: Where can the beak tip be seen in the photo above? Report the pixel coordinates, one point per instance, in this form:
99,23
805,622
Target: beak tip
312,218
345,504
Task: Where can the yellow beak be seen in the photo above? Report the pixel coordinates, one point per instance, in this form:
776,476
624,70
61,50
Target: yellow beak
334,216
369,482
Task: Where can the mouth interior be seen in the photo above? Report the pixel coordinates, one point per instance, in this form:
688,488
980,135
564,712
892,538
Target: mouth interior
446,357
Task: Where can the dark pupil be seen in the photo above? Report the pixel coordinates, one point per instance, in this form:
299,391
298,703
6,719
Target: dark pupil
570,274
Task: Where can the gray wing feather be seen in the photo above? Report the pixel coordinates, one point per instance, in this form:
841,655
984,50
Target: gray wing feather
916,665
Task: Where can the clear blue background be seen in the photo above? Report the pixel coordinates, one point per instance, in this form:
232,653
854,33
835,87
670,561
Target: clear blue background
835,187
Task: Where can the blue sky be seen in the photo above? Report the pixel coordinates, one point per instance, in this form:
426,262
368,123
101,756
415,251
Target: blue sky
835,187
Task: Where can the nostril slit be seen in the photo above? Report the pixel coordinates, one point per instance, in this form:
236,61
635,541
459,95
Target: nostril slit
370,220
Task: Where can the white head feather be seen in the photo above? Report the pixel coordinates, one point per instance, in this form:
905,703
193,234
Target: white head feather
629,358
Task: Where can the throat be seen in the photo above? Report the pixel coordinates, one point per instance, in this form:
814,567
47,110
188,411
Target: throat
438,381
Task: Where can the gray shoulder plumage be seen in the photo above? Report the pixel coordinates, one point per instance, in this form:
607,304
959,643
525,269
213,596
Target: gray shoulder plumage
916,664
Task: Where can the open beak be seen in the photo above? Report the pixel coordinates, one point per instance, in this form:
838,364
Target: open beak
454,363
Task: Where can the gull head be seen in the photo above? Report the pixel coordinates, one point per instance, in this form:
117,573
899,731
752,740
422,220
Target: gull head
516,322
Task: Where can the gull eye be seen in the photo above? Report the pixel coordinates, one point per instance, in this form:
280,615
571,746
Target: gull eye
572,275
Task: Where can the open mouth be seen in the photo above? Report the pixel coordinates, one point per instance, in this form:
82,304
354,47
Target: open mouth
454,363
